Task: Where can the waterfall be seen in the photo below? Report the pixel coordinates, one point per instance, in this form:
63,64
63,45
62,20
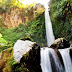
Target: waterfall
49,61
66,59
48,25
45,60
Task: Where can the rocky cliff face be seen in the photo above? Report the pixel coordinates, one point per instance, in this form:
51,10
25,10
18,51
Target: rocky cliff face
15,16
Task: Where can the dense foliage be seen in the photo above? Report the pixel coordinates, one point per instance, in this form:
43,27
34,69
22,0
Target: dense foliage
34,29
30,62
2,40
2,26
61,17
6,5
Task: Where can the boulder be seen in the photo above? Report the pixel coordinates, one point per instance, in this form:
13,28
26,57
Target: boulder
23,57
60,43
20,48
27,53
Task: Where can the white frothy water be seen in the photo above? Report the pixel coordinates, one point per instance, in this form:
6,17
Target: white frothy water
48,25
46,60
58,66
66,59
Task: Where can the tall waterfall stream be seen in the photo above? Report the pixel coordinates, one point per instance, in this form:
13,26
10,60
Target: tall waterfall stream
49,58
48,25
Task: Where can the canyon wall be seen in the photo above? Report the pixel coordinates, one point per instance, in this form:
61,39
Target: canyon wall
15,16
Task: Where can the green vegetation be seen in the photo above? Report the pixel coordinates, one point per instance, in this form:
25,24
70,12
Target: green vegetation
5,47
4,44
61,17
2,40
34,29
6,57
28,63
6,5
3,27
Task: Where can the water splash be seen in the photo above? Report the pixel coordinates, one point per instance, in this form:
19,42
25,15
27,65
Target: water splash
49,61
45,60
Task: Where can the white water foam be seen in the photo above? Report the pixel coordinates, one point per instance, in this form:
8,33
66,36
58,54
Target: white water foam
66,59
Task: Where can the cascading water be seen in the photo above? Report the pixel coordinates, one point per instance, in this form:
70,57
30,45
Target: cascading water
66,59
49,61
45,60
48,25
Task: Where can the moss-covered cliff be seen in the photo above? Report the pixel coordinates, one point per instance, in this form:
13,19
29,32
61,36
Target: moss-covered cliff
33,29
13,13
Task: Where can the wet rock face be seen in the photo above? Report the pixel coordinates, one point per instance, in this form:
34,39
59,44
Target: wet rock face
60,58
71,53
53,65
70,43
60,43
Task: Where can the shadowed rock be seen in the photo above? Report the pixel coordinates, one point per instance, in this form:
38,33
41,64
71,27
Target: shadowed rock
60,43
27,53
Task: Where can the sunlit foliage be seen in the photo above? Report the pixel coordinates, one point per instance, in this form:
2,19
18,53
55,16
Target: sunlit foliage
61,17
2,40
34,29
6,5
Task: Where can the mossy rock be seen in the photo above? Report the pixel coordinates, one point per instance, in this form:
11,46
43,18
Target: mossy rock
30,62
7,62
3,47
32,59
5,57
60,43
27,54
27,38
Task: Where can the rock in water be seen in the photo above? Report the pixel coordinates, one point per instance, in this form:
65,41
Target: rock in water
60,43
20,48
